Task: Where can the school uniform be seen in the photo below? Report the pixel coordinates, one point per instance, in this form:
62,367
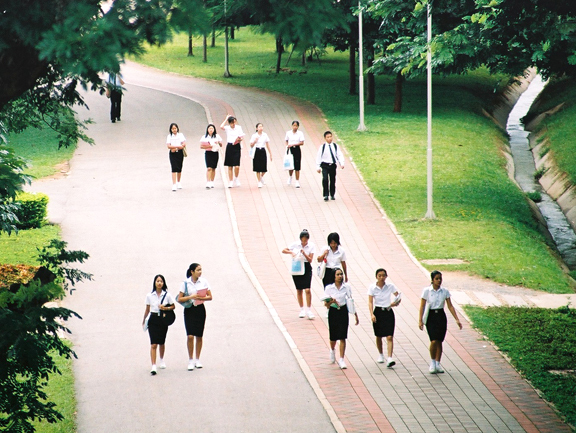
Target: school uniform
259,162
195,315
294,138
334,260
156,328
212,155
338,320
303,281
437,324
177,157
385,318
327,158
233,151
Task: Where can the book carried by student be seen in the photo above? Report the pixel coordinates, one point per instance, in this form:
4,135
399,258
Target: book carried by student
201,292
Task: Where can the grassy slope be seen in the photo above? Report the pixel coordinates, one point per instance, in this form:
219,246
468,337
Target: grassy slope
482,217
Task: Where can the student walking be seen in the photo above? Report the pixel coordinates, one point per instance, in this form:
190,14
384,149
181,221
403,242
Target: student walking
234,137
194,291
157,301
176,143
114,91
335,297
211,143
432,314
383,319
260,143
329,155
294,140
335,258
304,250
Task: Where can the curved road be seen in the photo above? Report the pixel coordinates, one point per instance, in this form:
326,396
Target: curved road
265,369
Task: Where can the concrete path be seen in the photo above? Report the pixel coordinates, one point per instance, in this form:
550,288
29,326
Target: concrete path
265,369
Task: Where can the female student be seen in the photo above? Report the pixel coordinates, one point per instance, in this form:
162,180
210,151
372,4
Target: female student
304,249
260,141
294,139
335,296
335,258
156,301
435,296
193,292
176,143
211,143
234,136
383,319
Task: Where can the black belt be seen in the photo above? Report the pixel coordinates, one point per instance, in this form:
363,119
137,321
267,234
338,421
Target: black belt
155,314
436,311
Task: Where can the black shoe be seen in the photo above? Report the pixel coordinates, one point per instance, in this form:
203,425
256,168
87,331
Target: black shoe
118,119
332,198
326,198
113,121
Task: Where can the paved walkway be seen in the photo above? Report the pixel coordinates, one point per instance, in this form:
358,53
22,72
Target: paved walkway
117,205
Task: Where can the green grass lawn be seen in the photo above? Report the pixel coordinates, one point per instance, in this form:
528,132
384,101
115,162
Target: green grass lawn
21,248
482,217
539,347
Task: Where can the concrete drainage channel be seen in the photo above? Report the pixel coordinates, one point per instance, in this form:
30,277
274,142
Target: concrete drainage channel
524,169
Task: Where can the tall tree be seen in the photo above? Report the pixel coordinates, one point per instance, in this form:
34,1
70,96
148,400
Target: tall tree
191,17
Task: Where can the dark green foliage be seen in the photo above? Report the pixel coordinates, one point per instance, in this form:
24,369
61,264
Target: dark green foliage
27,349
32,210
541,344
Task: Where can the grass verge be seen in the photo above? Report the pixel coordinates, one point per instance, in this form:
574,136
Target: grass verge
539,348
483,218
21,248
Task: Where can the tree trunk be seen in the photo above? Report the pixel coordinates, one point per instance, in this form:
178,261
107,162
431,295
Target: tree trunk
352,70
213,43
190,48
279,50
232,32
205,49
303,58
371,81
227,73
398,93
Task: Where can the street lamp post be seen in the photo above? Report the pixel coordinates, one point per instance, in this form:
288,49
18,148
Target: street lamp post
361,126
429,212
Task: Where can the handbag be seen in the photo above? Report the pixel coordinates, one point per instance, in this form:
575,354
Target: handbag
189,302
252,151
426,312
167,316
350,305
184,152
297,267
288,160
321,269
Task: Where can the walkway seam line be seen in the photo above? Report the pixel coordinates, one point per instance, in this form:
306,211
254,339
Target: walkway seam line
275,317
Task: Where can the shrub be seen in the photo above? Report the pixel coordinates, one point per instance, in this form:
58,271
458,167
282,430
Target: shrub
535,196
32,210
539,173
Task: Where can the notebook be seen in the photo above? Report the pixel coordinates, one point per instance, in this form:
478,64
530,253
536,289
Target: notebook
201,292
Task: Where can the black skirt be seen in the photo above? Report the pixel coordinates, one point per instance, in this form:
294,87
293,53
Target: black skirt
385,322
295,150
194,319
303,281
329,277
156,330
232,157
436,325
176,161
338,323
259,162
211,159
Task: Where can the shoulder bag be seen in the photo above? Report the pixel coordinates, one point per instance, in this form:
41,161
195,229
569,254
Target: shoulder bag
350,305
167,316
297,266
321,269
190,302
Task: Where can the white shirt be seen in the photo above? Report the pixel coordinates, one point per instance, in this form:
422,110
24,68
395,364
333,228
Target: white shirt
326,156
435,298
294,138
331,291
233,133
175,140
335,259
153,300
382,295
297,246
193,287
213,141
260,140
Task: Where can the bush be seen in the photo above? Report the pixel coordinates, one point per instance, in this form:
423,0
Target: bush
535,196
32,210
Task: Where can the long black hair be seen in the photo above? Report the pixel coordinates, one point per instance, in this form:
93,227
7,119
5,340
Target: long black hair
154,283
191,269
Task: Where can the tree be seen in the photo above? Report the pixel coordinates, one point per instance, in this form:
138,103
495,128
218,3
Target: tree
27,351
192,17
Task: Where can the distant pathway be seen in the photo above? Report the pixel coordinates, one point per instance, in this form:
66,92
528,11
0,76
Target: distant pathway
479,392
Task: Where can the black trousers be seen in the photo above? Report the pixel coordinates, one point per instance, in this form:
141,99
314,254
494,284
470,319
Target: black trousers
115,103
328,179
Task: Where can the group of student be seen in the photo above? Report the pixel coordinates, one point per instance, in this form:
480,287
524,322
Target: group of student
328,158
382,298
